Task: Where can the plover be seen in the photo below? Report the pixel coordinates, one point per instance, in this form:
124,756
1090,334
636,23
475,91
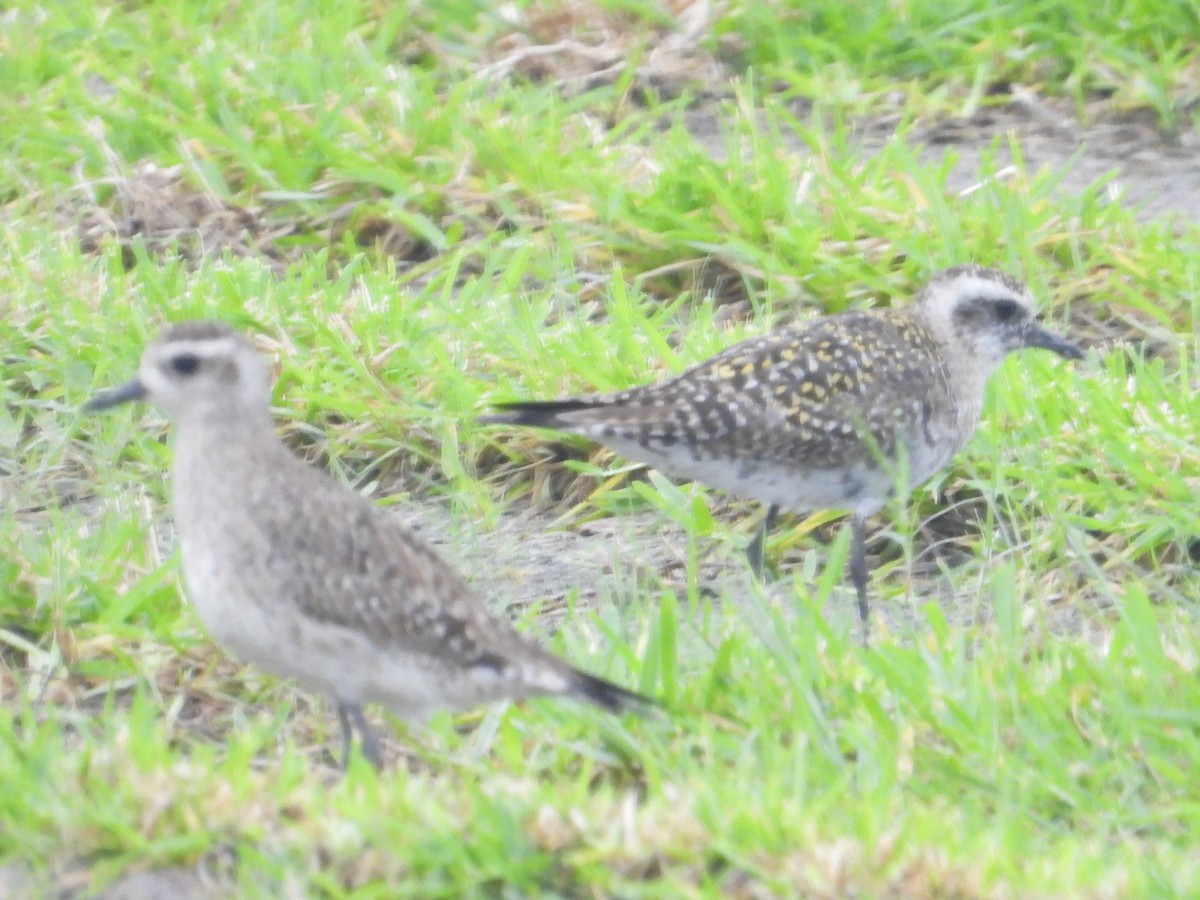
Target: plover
831,413
294,572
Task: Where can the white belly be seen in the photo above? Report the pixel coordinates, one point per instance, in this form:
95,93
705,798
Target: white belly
792,487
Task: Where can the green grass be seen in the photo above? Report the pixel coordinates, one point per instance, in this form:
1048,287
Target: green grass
1027,721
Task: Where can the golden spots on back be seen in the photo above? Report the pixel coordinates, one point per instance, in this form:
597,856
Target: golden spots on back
813,391
839,381
807,392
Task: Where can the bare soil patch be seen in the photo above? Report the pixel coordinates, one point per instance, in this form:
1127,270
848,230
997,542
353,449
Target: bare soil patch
1152,173
533,558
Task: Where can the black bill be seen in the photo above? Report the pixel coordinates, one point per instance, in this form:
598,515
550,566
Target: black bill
1038,336
130,390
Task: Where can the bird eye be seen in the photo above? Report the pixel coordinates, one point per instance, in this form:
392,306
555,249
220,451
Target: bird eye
1007,310
185,363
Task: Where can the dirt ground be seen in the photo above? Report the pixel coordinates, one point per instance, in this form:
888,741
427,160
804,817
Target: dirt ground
1154,174
528,559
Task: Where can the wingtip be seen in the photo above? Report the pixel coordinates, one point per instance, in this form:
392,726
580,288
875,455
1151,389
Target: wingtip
535,413
612,697
513,412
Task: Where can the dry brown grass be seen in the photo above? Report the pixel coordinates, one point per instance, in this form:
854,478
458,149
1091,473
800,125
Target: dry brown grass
579,45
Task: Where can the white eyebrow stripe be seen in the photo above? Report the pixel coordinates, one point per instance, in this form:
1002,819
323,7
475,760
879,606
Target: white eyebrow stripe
207,348
988,287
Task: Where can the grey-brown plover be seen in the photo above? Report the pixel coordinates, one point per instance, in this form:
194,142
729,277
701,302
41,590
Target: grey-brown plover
295,573
831,413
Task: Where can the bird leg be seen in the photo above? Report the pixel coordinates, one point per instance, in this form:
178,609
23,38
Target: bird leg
858,571
350,715
756,551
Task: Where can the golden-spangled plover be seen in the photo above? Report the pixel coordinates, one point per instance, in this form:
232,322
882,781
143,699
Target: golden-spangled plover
827,414
293,572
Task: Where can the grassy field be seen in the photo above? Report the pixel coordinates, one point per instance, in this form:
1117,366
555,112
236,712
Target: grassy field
421,208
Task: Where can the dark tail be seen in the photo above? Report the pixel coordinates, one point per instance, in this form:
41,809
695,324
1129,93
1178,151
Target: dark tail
535,413
608,695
